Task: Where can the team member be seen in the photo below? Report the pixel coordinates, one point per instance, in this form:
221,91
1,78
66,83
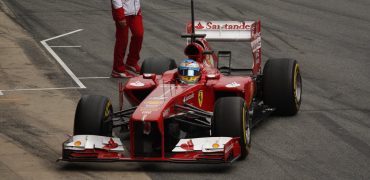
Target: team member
127,15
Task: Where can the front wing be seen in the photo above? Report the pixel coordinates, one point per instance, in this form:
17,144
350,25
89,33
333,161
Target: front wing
91,148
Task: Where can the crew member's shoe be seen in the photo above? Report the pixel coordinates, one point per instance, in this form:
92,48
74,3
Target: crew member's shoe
123,74
134,68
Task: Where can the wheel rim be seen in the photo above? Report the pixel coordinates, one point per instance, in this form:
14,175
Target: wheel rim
247,132
298,85
299,89
248,135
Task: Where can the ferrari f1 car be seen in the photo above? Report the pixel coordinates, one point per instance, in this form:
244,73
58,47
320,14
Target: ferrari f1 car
206,122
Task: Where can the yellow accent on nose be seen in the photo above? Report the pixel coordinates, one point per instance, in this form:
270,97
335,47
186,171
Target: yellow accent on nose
77,143
215,145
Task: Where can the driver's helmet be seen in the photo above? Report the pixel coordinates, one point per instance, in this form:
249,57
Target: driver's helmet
189,71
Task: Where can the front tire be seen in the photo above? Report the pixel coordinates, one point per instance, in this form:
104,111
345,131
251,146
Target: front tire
93,116
231,120
282,86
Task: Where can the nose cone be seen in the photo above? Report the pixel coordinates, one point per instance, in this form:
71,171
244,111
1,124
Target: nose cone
159,100
149,110
152,107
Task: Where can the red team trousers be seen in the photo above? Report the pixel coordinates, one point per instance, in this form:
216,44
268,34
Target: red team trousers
135,24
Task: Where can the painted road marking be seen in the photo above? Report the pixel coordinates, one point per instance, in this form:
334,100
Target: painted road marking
37,89
65,34
14,99
82,78
59,60
65,46
61,63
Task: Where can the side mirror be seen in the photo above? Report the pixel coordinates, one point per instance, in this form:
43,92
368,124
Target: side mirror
212,76
149,76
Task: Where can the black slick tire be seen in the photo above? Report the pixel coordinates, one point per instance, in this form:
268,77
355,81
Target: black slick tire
282,86
231,120
93,116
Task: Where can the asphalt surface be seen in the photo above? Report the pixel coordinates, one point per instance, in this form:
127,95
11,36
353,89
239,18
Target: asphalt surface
330,136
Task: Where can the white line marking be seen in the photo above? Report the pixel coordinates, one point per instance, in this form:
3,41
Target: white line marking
94,77
65,46
1,93
59,60
40,89
66,34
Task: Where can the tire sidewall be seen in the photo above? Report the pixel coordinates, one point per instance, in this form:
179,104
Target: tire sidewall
230,120
93,116
280,77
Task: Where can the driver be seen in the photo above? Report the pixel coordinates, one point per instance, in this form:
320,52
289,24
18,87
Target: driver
189,71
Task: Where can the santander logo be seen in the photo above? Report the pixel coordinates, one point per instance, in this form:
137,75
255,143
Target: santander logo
223,25
199,26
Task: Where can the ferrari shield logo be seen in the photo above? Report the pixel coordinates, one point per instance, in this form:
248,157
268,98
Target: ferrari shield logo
200,98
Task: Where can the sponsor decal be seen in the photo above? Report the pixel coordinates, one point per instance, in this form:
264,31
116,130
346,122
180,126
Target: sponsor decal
199,26
77,143
111,144
159,98
146,112
232,85
207,144
256,44
215,145
152,105
84,142
150,108
189,146
153,102
200,98
227,26
137,84
187,98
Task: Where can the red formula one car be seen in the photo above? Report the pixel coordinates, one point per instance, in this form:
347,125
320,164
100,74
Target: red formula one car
206,122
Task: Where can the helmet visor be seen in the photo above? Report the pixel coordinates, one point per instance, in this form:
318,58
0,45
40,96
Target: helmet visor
189,72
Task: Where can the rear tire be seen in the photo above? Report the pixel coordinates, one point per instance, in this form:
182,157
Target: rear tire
157,65
231,120
93,116
282,86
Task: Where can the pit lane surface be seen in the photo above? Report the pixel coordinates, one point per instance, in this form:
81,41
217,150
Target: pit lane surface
329,138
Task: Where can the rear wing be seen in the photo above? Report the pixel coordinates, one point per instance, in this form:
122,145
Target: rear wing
229,31
226,30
